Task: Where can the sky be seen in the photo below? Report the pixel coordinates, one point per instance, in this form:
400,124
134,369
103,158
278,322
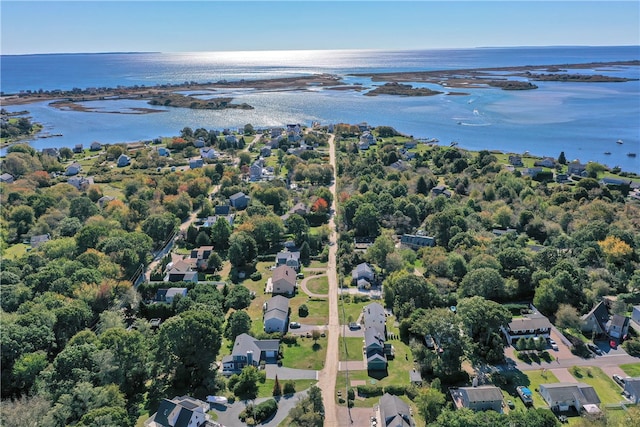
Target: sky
30,27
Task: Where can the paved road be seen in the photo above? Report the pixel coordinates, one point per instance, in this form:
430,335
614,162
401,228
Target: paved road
303,286
328,374
228,414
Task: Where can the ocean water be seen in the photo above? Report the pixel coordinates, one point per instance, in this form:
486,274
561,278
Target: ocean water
582,119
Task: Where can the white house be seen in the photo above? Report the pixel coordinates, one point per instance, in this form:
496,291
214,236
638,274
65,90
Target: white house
528,326
208,153
563,396
180,411
283,280
73,169
276,314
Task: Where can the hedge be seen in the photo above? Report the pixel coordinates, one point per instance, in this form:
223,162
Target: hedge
369,391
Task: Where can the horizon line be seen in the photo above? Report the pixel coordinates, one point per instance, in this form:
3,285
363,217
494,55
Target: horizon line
318,50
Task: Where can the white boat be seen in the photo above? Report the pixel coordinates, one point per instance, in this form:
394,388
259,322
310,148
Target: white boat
221,400
619,142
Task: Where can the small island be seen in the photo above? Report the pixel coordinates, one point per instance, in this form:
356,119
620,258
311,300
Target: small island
184,101
395,88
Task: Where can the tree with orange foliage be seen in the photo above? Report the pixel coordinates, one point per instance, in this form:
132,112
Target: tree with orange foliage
320,206
615,249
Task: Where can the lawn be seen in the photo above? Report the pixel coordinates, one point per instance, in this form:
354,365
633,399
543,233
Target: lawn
266,389
15,251
305,354
354,348
607,390
318,310
350,312
530,379
318,285
317,264
631,369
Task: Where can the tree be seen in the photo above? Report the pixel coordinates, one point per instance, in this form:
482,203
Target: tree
303,310
246,384
562,159
365,220
377,253
297,226
243,249
214,262
309,411
238,323
239,297
567,317
484,282
430,402
203,239
160,226
220,233
248,129
82,208
482,320
406,292
548,296
189,343
277,388
305,253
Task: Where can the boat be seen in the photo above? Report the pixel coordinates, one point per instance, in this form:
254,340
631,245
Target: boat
619,142
631,154
607,152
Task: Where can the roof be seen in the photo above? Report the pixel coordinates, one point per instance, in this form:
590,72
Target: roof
373,337
394,411
237,196
362,269
414,376
222,209
374,317
286,273
600,313
277,307
562,392
619,321
485,393
245,343
172,292
632,384
536,321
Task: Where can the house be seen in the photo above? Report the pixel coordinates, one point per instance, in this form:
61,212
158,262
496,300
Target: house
36,241
77,148
595,321
80,182
375,332
249,351
363,145
168,295
231,139
283,280
239,200
292,259
276,314
208,153
181,271
180,411
562,177
479,398
201,255
635,314
198,143
415,241
222,209
211,220
415,377
516,161
547,162
73,169
576,168
363,272
563,396
394,412
617,326
95,146
632,389
123,160
255,172
441,189
411,144
615,182
265,151
104,201
53,152
164,152
196,163
528,326
7,178
300,209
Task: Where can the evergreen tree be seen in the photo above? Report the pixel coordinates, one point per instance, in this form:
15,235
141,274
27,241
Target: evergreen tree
277,389
562,159
422,187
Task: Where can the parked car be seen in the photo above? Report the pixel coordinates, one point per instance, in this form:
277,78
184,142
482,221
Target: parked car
594,348
354,326
294,325
553,344
510,404
618,379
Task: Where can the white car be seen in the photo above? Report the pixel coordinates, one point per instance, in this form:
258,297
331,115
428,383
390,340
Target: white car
553,345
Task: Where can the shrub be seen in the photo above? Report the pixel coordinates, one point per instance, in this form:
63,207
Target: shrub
632,347
351,394
289,387
303,310
369,391
255,276
289,339
397,390
265,410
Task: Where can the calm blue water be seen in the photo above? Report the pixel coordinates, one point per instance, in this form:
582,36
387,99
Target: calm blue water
582,119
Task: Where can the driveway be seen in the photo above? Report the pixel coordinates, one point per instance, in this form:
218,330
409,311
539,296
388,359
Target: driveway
228,414
284,373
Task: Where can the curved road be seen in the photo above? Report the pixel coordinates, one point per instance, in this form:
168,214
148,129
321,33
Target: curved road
329,373
303,285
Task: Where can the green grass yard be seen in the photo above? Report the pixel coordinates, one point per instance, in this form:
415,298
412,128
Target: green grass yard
353,347
15,251
305,354
318,285
631,369
351,311
607,390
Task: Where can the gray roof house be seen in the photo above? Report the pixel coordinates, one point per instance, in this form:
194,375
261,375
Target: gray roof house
363,271
394,412
528,326
222,210
632,389
239,200
276,314
73,169
36,241
415,241
6,178
595,321
617,326
123,160
283,280
635,314
181,271
292,259
180,411
249,351
375,333
479,398
562,396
